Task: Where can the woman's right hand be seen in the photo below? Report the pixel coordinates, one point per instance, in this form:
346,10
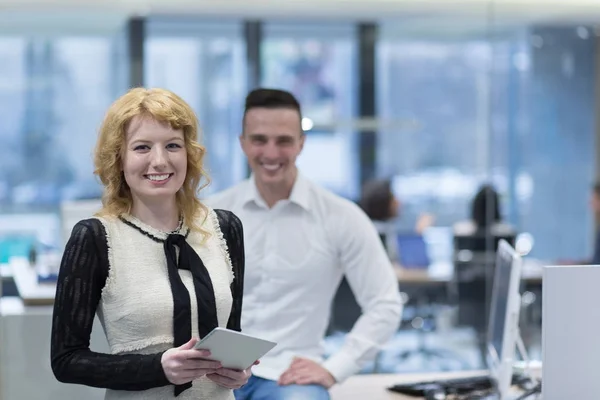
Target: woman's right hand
183,364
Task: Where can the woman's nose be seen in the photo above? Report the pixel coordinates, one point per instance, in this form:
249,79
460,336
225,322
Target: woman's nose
159,158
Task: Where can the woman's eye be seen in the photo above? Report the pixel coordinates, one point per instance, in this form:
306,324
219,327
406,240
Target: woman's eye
141,147
173,146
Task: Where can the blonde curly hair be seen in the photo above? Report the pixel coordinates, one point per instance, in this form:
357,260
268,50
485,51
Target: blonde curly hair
163,106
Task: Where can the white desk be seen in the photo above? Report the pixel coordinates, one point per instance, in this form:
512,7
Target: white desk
33,293
374,387
5,272
30,291
442,273
25,371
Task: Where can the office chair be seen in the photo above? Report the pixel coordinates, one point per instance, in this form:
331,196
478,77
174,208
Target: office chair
345,310
423,321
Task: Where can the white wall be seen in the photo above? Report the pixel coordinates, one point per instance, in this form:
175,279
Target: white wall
363,9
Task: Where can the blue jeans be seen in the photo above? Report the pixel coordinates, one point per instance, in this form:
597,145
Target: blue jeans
264,389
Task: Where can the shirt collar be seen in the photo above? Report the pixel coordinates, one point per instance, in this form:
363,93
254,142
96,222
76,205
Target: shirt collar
250,193
300,193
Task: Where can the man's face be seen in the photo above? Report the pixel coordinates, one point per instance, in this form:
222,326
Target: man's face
272,140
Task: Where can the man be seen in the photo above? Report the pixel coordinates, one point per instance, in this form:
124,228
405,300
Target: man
300,239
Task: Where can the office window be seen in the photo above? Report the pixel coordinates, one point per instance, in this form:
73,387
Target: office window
205,64
549,124
54,91
317,64
433,106
516,112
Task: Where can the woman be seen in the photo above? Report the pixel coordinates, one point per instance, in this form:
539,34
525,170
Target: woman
158,267
475,243
485,216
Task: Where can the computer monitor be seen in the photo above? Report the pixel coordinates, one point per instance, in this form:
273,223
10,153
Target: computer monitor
503,325
71,212
481,242
503,336
570,326
412,251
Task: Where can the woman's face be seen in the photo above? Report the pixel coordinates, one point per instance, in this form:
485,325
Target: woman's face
154,160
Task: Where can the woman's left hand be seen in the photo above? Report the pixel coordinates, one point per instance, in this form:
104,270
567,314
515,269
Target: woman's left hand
231,378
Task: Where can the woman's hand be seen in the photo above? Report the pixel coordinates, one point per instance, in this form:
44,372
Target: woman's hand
231,378
183,364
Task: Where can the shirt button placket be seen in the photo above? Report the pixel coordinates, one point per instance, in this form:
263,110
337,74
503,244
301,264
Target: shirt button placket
269,245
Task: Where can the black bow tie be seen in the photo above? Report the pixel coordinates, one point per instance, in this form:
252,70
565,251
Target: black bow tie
205,295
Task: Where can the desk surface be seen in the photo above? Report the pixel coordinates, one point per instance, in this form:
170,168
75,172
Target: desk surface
34,293
30,291
5,272
423,276
14,306
374,387
441,273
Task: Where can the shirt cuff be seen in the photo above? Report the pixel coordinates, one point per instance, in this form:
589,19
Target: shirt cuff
341,366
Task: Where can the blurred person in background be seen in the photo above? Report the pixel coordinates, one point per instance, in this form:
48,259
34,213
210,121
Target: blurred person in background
475,244
382,207
300,241
158,267
485,216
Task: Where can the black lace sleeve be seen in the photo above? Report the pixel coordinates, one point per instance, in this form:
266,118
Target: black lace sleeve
232,229
83,273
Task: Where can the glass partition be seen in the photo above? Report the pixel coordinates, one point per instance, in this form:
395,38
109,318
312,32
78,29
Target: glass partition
317,62
58,75
204,63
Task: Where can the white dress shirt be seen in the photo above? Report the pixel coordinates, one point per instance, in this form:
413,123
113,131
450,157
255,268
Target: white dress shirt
296,255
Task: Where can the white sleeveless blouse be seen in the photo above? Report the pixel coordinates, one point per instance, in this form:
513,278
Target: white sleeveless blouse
136,307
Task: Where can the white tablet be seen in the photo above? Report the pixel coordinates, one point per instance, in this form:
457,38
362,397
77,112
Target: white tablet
233,349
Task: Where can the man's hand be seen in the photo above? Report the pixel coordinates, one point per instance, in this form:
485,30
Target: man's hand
305,372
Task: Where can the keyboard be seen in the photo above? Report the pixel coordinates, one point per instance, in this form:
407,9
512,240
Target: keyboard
451,386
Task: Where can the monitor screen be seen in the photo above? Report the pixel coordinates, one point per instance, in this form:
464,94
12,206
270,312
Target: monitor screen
503,324
499,301
72,212
412,251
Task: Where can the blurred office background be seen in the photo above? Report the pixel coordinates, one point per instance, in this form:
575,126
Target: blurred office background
439,98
